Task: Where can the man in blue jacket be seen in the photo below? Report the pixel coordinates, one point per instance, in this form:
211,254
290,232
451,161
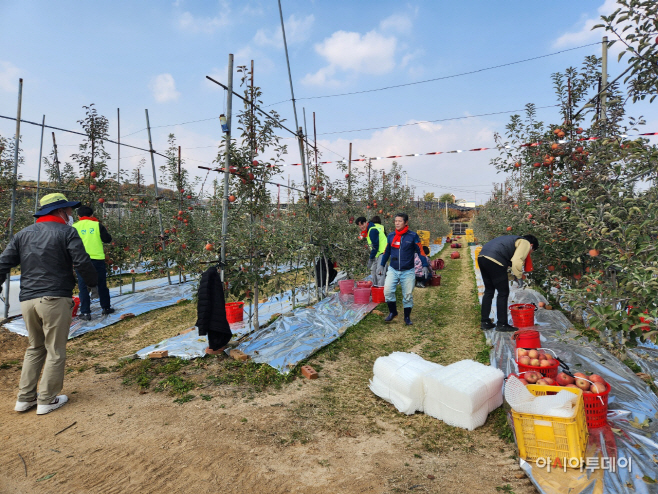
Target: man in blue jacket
401,245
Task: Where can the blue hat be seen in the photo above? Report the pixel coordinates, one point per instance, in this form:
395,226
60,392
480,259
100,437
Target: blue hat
54,201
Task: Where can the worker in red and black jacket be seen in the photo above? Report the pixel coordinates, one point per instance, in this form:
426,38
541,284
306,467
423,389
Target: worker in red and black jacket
401,246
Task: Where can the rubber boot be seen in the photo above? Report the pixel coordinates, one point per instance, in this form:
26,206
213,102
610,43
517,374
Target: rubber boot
407,316
392,311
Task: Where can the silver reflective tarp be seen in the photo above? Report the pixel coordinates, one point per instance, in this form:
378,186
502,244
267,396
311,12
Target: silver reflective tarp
632,431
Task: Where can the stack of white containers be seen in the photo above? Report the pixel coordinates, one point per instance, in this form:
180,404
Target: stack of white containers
461,394
398,379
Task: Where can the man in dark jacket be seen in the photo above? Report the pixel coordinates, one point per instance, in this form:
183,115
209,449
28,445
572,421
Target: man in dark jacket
507,251
401,245
93,235
47,253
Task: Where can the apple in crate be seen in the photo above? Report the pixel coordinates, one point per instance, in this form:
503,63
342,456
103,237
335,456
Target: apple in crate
533,354
564,379
551,362
521,352
543,356
598,387
532,377
549,381
595,378
525,360
545,363
535,362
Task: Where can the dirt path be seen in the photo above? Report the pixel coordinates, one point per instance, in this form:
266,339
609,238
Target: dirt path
243,428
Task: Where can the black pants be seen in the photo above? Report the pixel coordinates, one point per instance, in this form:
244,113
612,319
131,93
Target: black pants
495,278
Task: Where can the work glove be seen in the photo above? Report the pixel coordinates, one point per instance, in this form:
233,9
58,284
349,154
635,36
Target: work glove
93,292
426,273
380,270
370,263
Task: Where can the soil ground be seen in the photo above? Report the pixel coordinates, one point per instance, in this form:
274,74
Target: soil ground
214,424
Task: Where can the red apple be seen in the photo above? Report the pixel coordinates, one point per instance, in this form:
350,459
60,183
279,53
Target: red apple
598,387
571,386
533,354
582,384
525,360
579,374
564,379
549,381
545,363
524,382
521,352
532,377
542,381
595,378
535,362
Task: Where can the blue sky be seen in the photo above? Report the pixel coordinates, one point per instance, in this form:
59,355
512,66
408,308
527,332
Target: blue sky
156,54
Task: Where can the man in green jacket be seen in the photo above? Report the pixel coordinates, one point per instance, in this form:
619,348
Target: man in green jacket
93,235
376,236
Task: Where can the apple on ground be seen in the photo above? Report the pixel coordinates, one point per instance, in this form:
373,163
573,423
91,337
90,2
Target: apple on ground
564,379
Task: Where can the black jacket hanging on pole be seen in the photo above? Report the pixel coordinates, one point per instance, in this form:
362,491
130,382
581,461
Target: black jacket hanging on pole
211,312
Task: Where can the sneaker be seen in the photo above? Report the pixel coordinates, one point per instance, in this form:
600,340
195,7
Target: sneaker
58,401
24,406
505,328
109,310
84,317
488,324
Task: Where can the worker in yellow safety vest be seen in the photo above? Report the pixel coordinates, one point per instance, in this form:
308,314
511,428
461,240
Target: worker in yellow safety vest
93,235
375,234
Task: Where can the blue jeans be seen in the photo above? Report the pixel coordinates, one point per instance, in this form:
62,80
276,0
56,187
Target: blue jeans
406,279
103,291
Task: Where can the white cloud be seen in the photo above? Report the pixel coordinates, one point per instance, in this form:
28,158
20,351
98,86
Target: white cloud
197,24
399,23
9,75
371,53
163,88
298,30
583,32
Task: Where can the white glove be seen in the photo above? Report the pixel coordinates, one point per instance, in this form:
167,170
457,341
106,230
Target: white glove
93,292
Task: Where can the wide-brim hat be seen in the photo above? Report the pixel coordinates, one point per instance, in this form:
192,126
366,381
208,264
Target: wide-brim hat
54,201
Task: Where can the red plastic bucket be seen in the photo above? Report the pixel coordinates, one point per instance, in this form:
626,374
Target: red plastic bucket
596,408
527,338
378,294
346,287
437,264
362,295
363,284
523,315
234,311
76,305
436,280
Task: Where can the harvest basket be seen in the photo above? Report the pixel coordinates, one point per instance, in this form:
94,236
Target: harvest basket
523,315
596,407
543,436
234,311
550,371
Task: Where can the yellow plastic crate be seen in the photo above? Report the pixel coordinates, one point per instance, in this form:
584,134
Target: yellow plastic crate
469,231
542,436
423,234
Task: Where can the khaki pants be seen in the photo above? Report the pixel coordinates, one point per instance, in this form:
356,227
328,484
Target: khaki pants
48,321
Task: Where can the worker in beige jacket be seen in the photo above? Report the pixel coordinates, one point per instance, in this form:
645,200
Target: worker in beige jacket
501,253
